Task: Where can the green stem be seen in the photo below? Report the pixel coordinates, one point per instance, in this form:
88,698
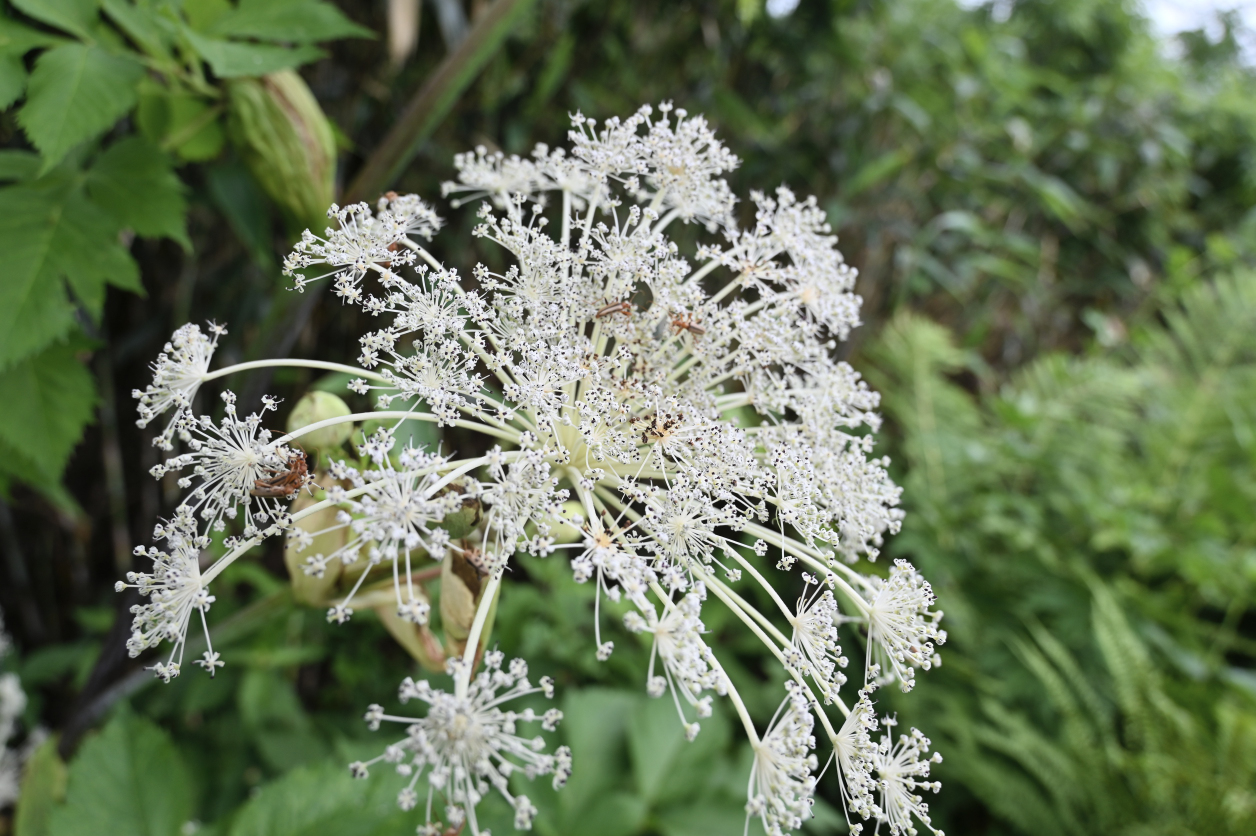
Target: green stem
290,363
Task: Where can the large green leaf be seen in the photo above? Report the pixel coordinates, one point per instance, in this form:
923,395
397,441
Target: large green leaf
17,39
232,59
18,165
145,26
135,182
291,21
74,16
12,79
127,780
322,800
49,231
52,397
43,788
75,93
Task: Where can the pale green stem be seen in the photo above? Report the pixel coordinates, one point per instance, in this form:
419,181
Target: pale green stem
665,221
488,595
290,363
566,218
734,400
821,566
423,254
727,289
763,582
588,218
685,365
720,591
586,498
508,435
701,272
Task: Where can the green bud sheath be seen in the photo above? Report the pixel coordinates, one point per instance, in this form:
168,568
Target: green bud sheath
285,139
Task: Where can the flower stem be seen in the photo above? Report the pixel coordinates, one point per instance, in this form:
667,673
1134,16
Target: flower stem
489,595
506,434
286,362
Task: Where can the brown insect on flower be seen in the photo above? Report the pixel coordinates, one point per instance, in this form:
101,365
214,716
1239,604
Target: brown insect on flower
684,322
624,307
286,481
658,427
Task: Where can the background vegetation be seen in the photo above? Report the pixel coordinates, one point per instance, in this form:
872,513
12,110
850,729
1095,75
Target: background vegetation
1052,213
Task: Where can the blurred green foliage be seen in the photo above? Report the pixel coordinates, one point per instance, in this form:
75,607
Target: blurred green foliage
1054,220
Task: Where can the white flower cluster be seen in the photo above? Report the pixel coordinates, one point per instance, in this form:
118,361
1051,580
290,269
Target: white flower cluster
12,704
364,239
678,422
177,374
468,745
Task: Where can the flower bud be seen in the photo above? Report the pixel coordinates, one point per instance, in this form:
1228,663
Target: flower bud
286,140
316,406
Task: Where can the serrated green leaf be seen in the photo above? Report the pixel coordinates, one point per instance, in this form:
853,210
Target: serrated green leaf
18,165
291,21
55,399
232,59
135,182
144,26
49,231
43,787
128,779
18,39
324,799
75,93
12,79
74,16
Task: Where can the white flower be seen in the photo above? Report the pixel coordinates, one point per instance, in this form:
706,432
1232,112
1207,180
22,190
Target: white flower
523,491
365,241
396,514
901,766
781,781
468,745
679,394
177,373
175,596
815,635
681,161
856,754
901,629
687,669
496,176
12,704
227,461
